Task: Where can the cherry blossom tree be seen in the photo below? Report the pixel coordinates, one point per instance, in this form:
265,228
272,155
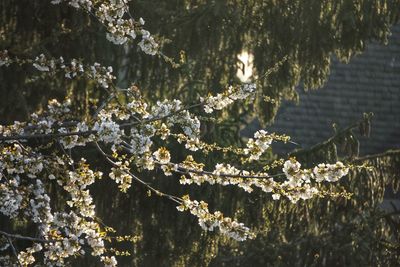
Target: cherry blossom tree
133,135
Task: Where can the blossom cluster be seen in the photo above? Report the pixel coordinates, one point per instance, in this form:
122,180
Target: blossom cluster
232,94
321,172
68,232
130,132
131,129
257,146
74,140
120,175
208,221
330,172
254,147
23,194
297,185
115,16
107,129
101,75
176,114
4,58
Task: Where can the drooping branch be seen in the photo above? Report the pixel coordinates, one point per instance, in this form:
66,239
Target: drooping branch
388,153
342,136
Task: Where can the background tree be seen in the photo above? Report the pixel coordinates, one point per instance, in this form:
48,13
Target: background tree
211,35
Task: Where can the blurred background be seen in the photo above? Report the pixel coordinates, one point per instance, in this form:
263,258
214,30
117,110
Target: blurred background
341,62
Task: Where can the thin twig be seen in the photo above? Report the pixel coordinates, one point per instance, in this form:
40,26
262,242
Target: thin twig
21,237
156,191
103,105
14,250
50,135
186,170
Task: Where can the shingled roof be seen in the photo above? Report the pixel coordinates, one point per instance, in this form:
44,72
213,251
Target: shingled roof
369,83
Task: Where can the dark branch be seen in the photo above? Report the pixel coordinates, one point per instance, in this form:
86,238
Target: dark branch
21,237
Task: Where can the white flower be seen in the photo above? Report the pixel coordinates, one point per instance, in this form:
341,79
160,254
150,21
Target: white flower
108,131
330,172
162,155
109,261
148,45
276,196
42,64
291,167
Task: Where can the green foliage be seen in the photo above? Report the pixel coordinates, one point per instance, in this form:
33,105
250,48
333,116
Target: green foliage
212,34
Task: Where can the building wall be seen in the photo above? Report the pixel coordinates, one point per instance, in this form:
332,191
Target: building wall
369,83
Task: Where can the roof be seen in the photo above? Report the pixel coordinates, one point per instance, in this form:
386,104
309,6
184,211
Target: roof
370,82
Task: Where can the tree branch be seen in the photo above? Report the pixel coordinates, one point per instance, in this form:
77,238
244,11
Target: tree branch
380,155
21,237
14,250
